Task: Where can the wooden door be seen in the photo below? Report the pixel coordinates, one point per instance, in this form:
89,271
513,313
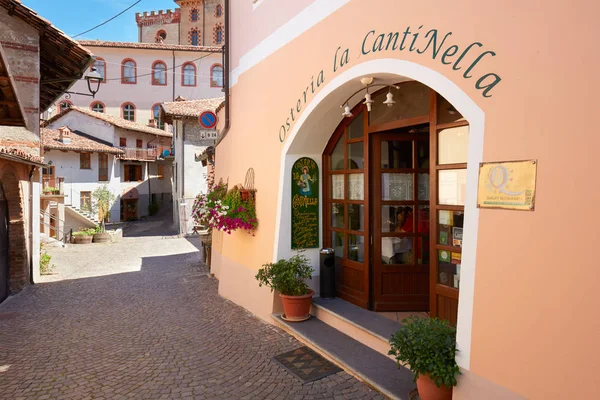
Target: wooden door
4,288
346,228
130,209
400,218
449,145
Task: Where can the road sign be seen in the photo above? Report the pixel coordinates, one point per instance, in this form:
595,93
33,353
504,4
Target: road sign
208,119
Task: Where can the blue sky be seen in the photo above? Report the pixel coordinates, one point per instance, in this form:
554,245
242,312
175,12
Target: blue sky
76,16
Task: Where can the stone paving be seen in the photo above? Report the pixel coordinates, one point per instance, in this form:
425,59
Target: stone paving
141,319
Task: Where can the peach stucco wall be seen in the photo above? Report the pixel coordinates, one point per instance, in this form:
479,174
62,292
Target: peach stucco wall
534,328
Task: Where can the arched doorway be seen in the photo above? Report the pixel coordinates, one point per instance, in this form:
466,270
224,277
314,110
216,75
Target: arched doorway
395,226
4,273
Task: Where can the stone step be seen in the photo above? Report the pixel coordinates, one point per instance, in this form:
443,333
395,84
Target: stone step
365,326
377,370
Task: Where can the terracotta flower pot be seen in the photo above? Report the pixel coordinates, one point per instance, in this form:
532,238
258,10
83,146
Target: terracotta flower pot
245,194
428,390
297,308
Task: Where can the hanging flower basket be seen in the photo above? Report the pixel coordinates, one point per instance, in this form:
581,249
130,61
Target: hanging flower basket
225,210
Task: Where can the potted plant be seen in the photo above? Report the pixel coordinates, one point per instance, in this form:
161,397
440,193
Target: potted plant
427,346
84,236
288,278
48,190
103,199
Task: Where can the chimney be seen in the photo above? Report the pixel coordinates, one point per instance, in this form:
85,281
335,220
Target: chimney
152,123
64,135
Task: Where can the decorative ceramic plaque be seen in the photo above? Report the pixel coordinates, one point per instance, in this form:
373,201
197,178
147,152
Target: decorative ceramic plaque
305,204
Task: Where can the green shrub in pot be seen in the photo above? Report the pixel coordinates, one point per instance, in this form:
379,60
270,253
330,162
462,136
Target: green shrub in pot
427,346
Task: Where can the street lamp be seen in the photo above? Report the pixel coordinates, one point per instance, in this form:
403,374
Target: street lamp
93,80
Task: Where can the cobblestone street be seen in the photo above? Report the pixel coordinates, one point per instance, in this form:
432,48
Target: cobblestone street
141,319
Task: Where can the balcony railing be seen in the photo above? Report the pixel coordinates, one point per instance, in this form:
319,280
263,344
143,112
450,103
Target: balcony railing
151,154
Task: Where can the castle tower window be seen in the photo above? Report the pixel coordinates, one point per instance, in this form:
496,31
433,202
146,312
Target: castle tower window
219,11
194,38
194,15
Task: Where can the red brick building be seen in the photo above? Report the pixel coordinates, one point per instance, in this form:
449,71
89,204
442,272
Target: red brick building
38,63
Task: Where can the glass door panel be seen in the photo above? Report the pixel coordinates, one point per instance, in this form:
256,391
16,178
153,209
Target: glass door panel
396,186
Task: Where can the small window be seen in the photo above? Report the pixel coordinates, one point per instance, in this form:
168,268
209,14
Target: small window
98,107
161,171
161,36
85,161
122,142
102,167
100,66
189,75
216,76
128,72
219,11
129,112
85,201
194,37
156,114
133,173
63,105
219,35
194,15
159,73
138,143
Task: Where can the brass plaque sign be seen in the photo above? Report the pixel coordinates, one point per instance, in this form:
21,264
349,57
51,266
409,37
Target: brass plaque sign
508,185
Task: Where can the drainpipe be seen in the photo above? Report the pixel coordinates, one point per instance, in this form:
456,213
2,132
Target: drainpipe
203,23
183,121
149,184
173,75
31,219
225,56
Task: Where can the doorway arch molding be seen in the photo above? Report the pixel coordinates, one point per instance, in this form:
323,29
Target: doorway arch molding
309,136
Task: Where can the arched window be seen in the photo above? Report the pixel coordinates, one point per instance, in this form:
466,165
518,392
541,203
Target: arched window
219,11
156,114
159,73
128,71
219,35
189,75
194,37
216,75
161,36
100,66
97,106
194,15
128,111
63,105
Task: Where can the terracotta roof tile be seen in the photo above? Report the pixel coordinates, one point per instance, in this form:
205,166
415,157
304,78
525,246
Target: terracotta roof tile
191,108
116,121
151,46
79,142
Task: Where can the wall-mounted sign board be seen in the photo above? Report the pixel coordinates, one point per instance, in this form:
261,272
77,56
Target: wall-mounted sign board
508,185
305,204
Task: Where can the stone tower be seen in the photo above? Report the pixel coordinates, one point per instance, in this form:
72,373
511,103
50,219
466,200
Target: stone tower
196,22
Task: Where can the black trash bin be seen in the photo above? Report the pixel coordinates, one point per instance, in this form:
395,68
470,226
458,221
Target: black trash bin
327,278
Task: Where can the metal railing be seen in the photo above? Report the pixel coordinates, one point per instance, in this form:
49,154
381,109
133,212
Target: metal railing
65,236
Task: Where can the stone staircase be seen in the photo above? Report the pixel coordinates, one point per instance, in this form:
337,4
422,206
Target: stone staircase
89,218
